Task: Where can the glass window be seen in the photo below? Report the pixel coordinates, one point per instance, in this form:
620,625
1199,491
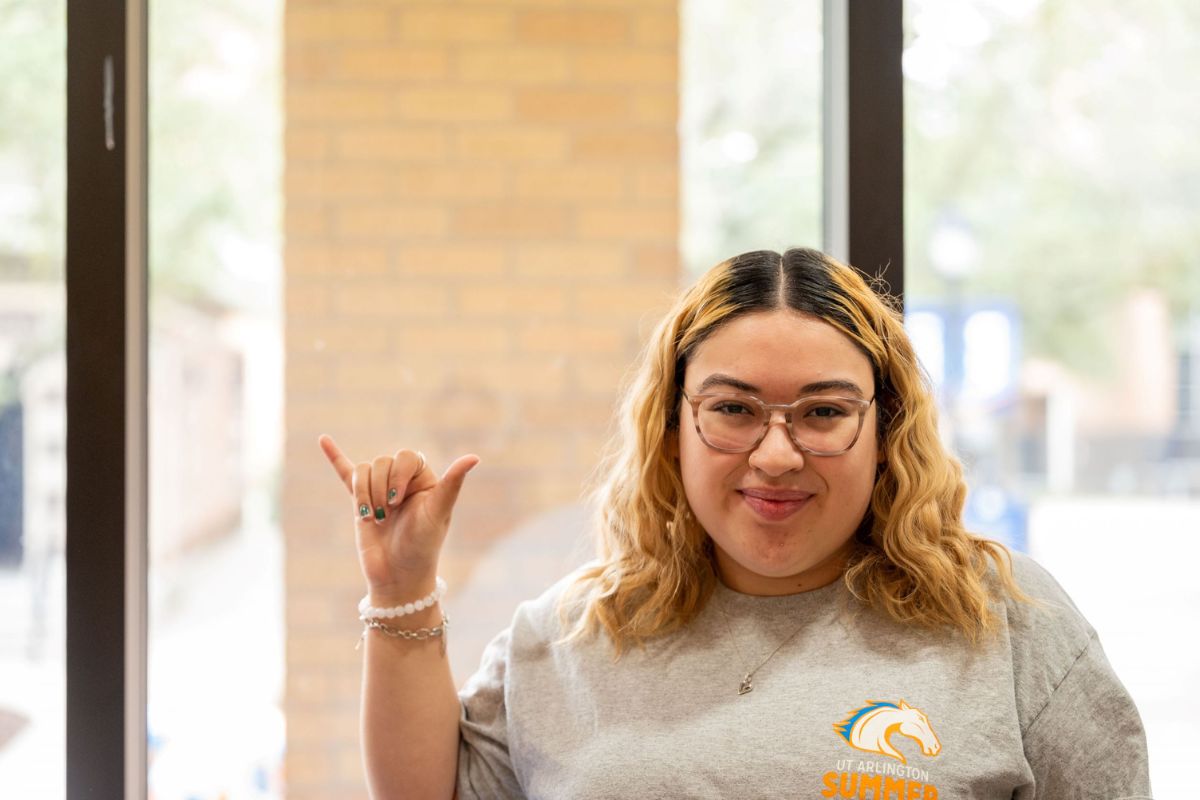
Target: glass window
32,400
750,132
1054,293
216,654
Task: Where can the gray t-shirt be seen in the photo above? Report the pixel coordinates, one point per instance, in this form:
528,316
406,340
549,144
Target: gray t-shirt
854,705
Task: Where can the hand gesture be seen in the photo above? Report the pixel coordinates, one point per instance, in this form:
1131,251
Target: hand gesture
402,513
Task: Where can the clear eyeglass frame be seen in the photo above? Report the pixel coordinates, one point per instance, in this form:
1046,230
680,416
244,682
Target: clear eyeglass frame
769,410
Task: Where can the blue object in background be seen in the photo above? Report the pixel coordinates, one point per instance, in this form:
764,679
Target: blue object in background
997,514
971,351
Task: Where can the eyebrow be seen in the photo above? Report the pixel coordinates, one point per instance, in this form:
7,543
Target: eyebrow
719,379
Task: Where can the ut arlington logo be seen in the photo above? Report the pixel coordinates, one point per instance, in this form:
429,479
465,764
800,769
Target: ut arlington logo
870,728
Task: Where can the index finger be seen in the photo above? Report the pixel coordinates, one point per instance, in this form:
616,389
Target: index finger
343,466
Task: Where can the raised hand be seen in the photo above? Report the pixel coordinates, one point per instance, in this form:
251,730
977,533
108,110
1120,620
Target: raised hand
402,513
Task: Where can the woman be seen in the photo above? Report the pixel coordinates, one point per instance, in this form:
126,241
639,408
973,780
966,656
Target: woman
785,602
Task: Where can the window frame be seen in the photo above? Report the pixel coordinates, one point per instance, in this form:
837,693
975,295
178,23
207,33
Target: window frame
106,358
863,137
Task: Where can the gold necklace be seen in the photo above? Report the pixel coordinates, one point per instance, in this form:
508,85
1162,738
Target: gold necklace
747,684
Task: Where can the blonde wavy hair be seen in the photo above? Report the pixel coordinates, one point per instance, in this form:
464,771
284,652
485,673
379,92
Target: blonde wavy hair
913,560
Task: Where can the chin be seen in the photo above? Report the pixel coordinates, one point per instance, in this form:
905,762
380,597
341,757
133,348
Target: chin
782,566
786,564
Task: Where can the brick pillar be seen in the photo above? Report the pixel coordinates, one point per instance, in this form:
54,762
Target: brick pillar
482,216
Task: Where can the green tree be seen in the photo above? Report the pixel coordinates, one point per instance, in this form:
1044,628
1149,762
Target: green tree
1063,132
215,147
750,128
215,151
32,139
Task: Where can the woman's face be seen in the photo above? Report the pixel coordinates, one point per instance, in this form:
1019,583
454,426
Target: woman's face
781,519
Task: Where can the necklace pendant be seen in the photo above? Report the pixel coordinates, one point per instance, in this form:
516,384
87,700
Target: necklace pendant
746,687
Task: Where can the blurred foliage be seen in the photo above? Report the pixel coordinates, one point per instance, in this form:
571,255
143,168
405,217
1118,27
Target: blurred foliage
215,147
750,128
216,151
1063,133
1060,134
33,108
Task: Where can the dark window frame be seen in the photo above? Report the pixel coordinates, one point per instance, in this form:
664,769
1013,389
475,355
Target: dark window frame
863,149
106,314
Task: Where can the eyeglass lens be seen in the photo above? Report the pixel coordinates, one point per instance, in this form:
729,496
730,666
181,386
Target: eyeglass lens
821,424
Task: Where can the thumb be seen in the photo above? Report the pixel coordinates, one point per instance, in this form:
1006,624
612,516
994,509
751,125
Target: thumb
445,493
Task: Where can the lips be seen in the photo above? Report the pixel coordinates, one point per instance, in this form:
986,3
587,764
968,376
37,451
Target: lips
774,504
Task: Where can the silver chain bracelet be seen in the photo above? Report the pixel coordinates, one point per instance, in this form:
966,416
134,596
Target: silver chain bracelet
412,635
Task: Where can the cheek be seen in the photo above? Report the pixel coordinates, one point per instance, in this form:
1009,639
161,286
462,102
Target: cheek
704,472
850,480
871,460
859,481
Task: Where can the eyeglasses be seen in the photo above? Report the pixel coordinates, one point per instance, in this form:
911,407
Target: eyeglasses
737,423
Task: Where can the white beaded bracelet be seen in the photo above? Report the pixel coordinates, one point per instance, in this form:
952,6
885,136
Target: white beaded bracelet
366,611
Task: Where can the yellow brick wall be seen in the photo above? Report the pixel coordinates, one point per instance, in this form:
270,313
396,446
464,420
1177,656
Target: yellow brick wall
481,223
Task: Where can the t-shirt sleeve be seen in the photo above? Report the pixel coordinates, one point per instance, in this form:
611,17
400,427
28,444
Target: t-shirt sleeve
1087,741
484,767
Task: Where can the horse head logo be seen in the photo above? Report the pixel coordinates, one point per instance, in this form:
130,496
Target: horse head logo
870,728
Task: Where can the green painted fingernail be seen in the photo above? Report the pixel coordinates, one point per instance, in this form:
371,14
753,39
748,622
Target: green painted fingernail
379,513
364,510
391,494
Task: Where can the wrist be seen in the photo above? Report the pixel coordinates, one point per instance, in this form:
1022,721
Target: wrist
406,589
414,599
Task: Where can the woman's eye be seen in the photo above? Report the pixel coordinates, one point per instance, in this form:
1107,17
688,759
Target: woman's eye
826,412
732,408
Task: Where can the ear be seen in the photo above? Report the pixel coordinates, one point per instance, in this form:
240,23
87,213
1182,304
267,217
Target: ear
904,706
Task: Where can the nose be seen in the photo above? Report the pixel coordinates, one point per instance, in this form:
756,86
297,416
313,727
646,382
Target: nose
777,454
